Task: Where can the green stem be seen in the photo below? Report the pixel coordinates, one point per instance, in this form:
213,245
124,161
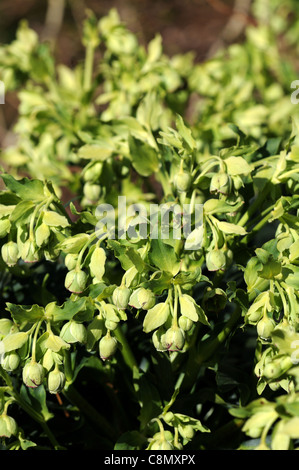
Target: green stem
33,355
255,205
283,299
88,67
126,350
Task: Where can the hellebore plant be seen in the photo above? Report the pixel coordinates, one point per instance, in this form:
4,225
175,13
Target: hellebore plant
110,339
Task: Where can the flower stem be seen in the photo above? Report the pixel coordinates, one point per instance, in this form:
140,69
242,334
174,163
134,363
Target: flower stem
126,350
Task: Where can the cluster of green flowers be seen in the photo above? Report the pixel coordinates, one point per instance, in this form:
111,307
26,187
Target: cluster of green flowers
187,300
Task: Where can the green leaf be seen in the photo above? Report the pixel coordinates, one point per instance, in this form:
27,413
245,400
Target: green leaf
237,166
68,310
270,269
229,228
53,219
149,111
37,399
99,152
75,243
218,206
163,256
97,263
191,310
14,341
25,314
156,317
185,133
22,212
195,423
56,343
136,259
188,307
144,158
25,188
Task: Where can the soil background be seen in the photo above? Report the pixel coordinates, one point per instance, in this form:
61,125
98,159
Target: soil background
200,26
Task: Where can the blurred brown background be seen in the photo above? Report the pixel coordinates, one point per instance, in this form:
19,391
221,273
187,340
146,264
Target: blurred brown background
197,25
201,26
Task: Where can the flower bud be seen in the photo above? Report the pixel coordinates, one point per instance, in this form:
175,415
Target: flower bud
186,431
29,252
42,234
220,183
237,182
56,381
75,281
169,417
93,172
264,327
121,296
254,432
11,361
10,253
229,257
174,339
111,325
8,426
107,346
70,261
185,323
78,331
33,374
146,298
161,445
272,370
182,181
215,260
94,331
92,192
158,340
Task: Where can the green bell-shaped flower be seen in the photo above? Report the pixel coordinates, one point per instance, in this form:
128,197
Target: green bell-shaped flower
121,296
162,445
11,361
107,346
92,191
215,260
220,183
8,426
70,261
182,181
75,281
29,251
78,331
146,298
56,380
174,339
33,374
264,327
10,253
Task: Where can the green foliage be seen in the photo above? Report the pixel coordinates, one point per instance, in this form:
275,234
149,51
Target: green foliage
151,342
